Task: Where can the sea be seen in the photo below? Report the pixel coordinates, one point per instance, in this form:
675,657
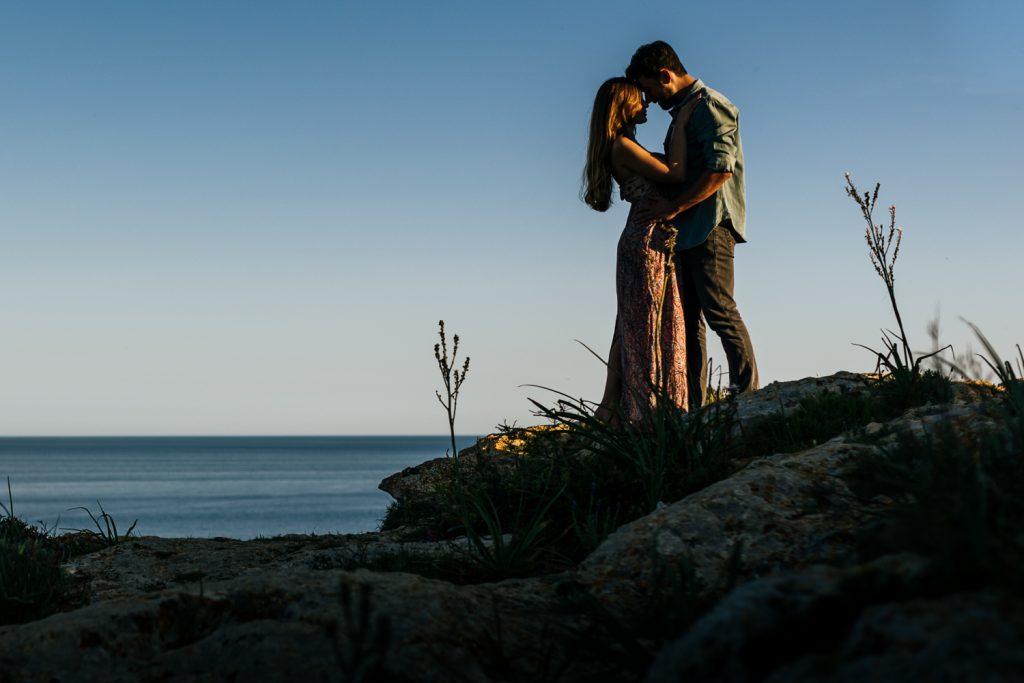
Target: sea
207,487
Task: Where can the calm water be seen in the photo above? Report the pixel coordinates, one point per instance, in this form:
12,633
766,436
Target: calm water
238,487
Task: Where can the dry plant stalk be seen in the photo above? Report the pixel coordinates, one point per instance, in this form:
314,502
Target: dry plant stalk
452,378
880,242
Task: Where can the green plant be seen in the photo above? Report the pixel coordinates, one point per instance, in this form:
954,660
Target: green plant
668,454
8,511
558,491
596,522
815,419
955,500
968,366
555,493
107,532
31,580
1012,383
432,513
1004,370
515,556
452,378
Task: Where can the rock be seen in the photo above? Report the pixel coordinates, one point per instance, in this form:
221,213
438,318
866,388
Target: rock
492,455
776,513
149,563
774,544
784,396
779,512
964,637
293,624
873,622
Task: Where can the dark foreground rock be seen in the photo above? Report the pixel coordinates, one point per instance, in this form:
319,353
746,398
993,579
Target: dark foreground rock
874,622
764,569
294,626
784,511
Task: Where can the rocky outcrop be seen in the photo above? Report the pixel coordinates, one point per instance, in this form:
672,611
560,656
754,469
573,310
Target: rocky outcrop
771,552
781,397
871,622
492,455
147,564
497,453
783,511
294,625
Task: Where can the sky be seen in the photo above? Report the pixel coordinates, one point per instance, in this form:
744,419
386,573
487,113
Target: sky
247,217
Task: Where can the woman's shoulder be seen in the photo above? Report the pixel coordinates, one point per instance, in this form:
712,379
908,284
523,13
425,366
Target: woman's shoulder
624,143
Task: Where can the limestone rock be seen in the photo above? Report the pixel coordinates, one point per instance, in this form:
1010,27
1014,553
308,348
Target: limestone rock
775,542
149,563
873,622
294,625
498,452
775,513
784,396
779,512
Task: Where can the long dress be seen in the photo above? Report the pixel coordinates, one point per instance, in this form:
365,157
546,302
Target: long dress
649,319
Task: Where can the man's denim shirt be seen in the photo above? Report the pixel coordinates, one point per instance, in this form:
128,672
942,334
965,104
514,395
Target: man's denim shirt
712,142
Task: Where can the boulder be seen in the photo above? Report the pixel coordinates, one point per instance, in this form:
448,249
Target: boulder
871,622
781,511
492,455
288,625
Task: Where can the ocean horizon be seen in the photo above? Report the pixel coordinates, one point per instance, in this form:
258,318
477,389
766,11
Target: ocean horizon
210,486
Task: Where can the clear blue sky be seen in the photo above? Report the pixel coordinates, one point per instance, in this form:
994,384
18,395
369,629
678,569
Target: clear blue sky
244,217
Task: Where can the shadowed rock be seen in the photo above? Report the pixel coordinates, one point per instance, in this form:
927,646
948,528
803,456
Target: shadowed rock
775,542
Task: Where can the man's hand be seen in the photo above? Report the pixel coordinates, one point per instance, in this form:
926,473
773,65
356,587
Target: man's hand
662,209
707,184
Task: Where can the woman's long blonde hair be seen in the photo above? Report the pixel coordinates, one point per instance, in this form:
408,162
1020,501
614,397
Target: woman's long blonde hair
617,103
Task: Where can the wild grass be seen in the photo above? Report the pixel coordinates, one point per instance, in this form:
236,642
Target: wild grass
664,456
956,499
516,554
815,419
551,502
1011,382
32,582
106,527
956,502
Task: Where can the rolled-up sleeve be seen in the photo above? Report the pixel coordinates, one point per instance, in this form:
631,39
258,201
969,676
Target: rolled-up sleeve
716,126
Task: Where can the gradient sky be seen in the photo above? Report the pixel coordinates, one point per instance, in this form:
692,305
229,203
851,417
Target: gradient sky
246,217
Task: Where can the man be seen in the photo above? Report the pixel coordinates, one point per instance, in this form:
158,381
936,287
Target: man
708,208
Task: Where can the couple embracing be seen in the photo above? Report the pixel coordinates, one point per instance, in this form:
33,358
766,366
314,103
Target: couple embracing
674,267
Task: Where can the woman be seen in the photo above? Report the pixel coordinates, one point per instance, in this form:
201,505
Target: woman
647,356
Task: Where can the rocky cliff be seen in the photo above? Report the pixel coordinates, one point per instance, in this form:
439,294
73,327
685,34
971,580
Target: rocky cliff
805,565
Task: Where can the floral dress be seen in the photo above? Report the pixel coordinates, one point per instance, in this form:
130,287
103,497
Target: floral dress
649,319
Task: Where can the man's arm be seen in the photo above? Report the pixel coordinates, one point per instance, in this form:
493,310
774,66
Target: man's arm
706,185
715,129
676,160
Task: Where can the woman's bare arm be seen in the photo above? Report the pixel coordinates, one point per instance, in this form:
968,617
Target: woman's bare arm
628,155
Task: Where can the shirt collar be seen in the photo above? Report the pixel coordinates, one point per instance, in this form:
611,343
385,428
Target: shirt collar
681,97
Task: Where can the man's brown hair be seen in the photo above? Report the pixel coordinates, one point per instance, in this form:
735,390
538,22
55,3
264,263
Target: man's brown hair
649,59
